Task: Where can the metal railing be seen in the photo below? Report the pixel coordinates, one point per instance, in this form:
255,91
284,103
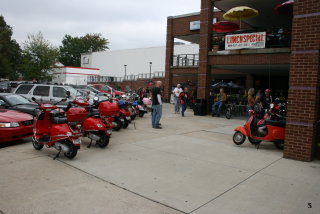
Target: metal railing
186,60
158,74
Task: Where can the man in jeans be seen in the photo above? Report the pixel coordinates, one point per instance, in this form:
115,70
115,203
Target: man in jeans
176,94
156,105
221,98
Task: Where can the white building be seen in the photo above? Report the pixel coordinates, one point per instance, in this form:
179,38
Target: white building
72,75
112,62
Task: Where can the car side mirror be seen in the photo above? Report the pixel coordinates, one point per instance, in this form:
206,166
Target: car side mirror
64,100
68,94
33,99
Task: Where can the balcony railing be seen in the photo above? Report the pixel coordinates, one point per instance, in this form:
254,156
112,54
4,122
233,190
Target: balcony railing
131,77
186,60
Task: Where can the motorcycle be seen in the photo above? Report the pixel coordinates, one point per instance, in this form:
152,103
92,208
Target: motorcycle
52,130
258,130
82,117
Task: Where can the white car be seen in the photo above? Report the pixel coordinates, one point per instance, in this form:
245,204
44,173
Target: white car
46,93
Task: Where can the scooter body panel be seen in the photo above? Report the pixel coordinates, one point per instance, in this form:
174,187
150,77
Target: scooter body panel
93,124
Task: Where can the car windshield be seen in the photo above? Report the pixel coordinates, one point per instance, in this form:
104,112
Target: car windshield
16,100
3,84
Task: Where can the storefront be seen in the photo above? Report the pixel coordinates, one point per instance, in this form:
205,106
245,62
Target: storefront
269,50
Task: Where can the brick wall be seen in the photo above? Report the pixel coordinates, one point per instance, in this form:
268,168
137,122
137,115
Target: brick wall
303,108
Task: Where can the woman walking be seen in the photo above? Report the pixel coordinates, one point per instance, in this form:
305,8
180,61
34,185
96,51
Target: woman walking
183,102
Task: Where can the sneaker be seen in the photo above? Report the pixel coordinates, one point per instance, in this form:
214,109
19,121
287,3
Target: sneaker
157,127
182,114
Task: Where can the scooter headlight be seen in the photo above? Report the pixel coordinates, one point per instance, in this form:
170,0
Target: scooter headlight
69,134
99,125
9,125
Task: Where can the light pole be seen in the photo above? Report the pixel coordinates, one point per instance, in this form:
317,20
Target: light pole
150,68
125,71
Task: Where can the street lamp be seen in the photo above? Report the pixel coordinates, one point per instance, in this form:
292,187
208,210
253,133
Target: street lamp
125,71
150,68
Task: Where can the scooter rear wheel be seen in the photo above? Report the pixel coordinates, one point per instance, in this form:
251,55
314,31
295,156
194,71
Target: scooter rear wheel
141,114
125,124
104,140
119,125
36,145
73,150
239,138
279,144
254,141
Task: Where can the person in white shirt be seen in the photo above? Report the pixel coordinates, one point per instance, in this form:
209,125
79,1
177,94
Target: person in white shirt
176,94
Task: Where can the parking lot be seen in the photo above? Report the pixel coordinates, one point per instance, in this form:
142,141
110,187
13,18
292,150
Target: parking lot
189,166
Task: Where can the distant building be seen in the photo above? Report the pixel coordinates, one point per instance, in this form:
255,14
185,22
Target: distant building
117,63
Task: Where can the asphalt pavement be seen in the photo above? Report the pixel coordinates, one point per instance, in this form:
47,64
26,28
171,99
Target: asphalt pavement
189,166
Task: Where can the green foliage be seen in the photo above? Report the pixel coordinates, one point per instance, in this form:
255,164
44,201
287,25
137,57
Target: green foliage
73,47
10,52
38,57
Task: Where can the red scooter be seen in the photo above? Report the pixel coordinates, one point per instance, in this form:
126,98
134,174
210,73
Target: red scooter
258,130
53,130
81,116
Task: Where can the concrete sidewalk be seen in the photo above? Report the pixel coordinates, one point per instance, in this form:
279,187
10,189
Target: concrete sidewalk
189,166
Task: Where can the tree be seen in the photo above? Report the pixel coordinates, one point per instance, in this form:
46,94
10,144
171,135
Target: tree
73,47
10,52
38,57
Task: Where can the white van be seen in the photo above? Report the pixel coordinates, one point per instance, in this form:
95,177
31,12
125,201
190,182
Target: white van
46,93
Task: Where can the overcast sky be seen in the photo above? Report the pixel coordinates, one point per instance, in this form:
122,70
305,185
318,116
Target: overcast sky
126,23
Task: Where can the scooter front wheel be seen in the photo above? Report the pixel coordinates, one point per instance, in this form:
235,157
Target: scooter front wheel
36,144
239,138
228,112
118,126
104,140
73,150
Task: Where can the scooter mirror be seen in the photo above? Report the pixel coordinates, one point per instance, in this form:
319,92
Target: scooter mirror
96,98
64,100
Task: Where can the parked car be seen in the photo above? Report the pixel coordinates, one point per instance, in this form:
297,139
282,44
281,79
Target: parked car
18,103
89,88
5,86
107,89
46,93
15,125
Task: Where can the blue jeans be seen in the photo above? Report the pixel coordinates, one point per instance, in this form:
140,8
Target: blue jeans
183,107
214,106
156,115
176,104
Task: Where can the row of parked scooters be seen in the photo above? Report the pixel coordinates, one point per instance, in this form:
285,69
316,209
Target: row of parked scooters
62,128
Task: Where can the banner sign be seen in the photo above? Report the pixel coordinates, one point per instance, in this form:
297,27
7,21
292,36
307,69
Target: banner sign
247,40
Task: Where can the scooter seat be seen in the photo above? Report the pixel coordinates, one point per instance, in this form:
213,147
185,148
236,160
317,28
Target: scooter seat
280,123
59,120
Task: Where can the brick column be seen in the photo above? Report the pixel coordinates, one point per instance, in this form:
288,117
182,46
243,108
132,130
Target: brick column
303,107
204,71
169,57
249,81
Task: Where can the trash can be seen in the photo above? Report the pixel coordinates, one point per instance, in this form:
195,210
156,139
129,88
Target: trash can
200,107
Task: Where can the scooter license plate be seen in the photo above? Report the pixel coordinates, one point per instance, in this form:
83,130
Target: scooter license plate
109,131
128,118
77,141
121,119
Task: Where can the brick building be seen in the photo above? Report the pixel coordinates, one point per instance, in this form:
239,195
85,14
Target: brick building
290,67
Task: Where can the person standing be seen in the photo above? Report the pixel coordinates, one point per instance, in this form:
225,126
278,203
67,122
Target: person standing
221,99
176,94
183,102
266,99
251,100
156,105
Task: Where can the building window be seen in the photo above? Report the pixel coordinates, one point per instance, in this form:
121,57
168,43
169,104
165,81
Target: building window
85,60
